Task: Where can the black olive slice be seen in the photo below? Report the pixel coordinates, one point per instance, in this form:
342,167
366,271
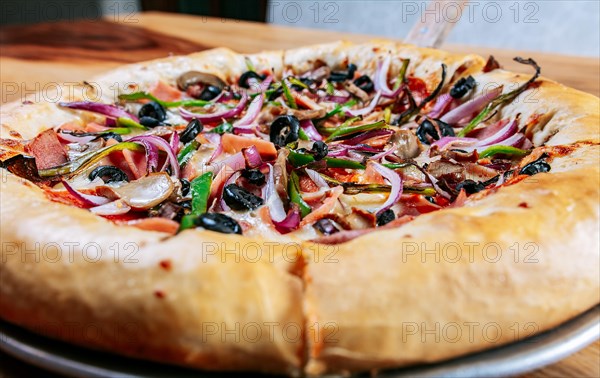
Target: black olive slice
239,198
149,121
219,223
339,76
319,150
365,83
535,167
108,173
385,217
191,131
471,186
154,110
428,128
462,86
254,176
209,93
284,130
243,81
185,186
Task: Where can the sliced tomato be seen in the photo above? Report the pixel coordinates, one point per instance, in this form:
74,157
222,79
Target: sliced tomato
94,127
307,185
234,143
165,92
418,88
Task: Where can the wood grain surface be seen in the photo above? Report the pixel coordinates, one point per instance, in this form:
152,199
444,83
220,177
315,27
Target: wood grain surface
35,57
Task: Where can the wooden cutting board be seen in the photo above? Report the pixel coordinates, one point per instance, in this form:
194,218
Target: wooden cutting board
36,58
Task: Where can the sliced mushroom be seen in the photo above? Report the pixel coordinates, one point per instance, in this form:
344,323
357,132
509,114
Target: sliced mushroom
408,144
195,77
143,193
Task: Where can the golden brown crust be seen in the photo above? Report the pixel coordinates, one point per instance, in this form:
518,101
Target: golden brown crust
369,303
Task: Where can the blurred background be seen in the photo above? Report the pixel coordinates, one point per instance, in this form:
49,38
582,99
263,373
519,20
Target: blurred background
559,26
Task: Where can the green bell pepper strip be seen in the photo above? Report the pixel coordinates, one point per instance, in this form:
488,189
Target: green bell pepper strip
298,159
249,64
402,73
167,104
128,123
223,128
347,130
330,89
504,150
343,163
297,82
302,135
117,130
502,99
287,94
200,189
295,197
89,159
338,109
187,151
396,165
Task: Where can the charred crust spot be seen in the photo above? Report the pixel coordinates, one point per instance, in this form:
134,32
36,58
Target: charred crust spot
166,265
524,205
14,134
159,294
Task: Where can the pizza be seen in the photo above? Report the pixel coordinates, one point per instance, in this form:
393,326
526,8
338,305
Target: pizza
329,209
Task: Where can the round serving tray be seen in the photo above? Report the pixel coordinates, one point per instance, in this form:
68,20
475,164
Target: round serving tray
512,359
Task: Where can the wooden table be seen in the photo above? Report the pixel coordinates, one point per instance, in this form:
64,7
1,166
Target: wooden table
35,57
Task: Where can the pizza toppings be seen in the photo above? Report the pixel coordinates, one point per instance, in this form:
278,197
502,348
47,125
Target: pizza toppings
334,151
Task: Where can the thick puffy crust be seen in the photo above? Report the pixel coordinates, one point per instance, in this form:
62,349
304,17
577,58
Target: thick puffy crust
200,299
367,304
517,262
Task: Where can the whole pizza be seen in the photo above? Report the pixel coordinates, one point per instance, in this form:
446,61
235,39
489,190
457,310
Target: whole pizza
333,209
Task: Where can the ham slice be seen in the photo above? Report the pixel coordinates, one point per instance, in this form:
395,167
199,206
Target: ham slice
47,150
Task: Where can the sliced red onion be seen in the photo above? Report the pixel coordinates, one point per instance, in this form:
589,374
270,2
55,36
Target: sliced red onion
316,178
245,129
251,113
364,111
441,104
368,135
355,156
151,155
73,138
85,199
256,87
383,154
214,139
396,185
252,157
337,99
162,145
272,199
504,133
526,144
380,79
449,142
289,223
215,117
309,128
174,141
97,107
117,207
468,109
